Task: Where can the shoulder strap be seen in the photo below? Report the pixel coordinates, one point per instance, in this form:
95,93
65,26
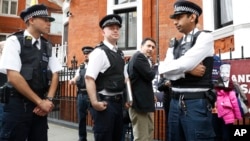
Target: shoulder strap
197,34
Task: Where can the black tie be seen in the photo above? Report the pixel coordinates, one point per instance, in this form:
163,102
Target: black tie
35,44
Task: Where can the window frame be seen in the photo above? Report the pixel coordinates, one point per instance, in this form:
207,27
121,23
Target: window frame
217,16
9,7
112,8
126,11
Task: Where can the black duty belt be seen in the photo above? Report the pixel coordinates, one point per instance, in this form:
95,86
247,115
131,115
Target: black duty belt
189,95
115,98
82,91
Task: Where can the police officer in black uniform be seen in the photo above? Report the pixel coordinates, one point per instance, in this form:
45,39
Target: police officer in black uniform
3,80
105,82
188,65
82,95
26,59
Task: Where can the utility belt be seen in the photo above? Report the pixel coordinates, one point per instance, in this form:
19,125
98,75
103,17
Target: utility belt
188,95
115,98
6,93
209,95
82,91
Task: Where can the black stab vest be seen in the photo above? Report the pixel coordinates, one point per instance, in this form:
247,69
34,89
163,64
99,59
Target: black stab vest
81,82
191,81
113,78
34,63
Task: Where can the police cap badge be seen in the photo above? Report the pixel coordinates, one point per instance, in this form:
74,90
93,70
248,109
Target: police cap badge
112,19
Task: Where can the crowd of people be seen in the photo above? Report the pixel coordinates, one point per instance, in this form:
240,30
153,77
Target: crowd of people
101,83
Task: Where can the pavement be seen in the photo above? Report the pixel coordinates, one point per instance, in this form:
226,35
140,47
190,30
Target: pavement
59,132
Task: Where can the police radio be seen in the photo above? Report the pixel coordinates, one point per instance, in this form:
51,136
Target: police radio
173,42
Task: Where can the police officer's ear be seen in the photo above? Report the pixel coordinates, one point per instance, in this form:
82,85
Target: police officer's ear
193,17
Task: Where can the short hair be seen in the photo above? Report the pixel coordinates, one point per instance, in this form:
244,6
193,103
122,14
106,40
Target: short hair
146,39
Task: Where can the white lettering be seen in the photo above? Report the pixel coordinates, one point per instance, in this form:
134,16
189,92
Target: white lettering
241,78
159,104
237,132
240,132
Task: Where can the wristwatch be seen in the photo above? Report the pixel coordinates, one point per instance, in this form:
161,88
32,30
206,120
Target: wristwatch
50,98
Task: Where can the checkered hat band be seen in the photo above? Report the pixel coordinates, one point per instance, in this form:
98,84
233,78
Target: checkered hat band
113,20
187,9
36,13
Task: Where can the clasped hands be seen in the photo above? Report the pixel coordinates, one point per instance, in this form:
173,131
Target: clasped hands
44,107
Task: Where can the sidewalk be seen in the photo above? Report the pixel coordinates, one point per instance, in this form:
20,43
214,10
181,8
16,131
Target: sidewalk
60,133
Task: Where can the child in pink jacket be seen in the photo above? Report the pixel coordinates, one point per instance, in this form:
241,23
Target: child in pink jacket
227,105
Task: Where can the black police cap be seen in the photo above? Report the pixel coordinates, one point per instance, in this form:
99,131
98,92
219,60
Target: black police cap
184,6
112,19
38,10
87,49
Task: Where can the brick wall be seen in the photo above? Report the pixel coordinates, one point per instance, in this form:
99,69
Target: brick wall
83,26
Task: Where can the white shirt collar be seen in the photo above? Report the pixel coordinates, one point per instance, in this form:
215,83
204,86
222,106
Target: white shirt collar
26,33
110,46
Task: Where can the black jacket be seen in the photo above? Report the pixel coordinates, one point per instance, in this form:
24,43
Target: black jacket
141,76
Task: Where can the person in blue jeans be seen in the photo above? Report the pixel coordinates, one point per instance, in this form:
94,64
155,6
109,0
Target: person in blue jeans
188,65
2,81
82,95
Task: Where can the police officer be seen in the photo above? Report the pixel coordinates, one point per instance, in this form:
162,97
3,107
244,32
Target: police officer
82,96
3,80
189,65
26,59
105,82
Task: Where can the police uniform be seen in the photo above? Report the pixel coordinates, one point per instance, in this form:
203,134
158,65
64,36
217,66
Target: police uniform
106,67
189,116
82,97
20,123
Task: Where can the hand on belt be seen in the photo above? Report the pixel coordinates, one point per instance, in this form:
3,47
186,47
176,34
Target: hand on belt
115,98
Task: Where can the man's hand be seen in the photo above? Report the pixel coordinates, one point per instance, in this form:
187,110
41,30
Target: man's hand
72,81
198,71
99,105
45,106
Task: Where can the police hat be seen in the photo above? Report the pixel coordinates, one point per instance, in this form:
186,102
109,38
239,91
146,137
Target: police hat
87,49
38,10
112,19
183,7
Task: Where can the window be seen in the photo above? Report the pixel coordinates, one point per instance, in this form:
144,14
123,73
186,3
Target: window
65,35
8,7
128,32
3,37
56,26
223,13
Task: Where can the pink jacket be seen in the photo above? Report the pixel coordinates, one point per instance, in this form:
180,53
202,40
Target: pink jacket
227,106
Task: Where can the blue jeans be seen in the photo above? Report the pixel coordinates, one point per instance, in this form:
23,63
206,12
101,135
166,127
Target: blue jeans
193,125
82,106
21,124
1,114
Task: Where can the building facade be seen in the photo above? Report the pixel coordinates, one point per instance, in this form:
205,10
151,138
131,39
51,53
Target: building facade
10,21
150,18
